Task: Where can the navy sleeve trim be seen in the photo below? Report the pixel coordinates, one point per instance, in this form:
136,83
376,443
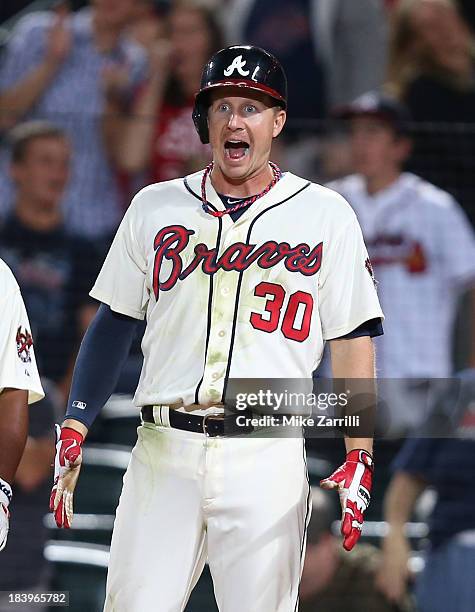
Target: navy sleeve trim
372,328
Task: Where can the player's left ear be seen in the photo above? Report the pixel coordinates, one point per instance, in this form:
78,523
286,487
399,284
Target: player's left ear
279,121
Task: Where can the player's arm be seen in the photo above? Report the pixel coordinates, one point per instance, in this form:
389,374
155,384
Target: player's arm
102,354
353,358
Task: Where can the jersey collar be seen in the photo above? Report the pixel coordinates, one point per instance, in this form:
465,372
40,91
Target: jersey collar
288,186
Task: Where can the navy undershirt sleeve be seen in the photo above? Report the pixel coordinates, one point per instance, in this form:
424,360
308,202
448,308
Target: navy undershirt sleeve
100,360
371,328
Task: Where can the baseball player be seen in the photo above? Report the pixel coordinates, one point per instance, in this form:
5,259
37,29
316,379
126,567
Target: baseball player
241,271
422,248
19,386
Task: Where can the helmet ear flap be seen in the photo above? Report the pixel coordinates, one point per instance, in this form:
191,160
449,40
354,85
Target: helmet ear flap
200,119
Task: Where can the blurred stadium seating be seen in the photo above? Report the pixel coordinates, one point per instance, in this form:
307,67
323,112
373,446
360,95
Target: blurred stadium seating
101,474
81,570
117,423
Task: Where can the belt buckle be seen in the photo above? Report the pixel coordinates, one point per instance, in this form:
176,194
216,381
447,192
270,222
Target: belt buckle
217,417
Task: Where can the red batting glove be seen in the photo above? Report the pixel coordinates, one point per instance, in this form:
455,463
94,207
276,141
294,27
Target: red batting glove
67,464
353,480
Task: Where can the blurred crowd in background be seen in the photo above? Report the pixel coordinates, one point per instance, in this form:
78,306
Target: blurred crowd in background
96,101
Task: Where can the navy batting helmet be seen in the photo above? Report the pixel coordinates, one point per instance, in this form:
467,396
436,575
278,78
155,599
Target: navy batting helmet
240,66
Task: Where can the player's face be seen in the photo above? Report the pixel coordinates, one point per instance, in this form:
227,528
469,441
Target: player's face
43,173
376,149
241,129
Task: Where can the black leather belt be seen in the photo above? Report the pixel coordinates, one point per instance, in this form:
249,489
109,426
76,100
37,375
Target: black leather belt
211,424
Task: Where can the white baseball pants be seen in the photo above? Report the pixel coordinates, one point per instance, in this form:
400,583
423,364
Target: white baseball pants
242,503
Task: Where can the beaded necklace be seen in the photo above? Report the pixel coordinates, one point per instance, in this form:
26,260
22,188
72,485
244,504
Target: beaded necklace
277,175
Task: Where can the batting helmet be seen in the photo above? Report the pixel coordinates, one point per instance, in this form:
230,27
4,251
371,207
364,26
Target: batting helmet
239,66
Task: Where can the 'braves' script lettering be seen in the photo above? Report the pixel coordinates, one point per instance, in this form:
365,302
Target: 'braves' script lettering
172,240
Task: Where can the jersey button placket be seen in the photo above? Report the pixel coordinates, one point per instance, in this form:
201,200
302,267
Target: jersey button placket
218,349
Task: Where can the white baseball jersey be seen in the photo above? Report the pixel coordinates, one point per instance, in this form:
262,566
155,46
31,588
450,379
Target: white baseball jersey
255,298
17,356
422,248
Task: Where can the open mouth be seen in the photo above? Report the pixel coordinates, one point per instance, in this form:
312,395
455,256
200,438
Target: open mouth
236,149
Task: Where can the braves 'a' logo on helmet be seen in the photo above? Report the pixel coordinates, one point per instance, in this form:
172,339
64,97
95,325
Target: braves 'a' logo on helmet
24,342
237,64
242,66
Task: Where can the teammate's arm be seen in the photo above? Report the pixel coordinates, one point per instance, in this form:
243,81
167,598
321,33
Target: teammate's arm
353,358
103,352
13,430
19,385
13,434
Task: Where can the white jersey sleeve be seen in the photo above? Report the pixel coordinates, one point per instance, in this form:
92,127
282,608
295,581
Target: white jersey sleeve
121,281
457,244
17,356
348,295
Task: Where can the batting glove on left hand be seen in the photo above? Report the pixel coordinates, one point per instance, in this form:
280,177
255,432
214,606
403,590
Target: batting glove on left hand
5,499
67,465
353,480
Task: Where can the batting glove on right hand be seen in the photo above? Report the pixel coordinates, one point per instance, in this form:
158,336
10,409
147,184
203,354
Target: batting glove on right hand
67,465
5,499
353,480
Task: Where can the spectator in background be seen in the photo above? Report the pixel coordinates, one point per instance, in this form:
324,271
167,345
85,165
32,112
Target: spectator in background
158,137
332,51
447,465
147,23
334,580
54,269
24,567
52,69
422,248
432,69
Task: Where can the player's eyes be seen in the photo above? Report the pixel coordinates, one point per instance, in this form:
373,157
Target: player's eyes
250,108
222,108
